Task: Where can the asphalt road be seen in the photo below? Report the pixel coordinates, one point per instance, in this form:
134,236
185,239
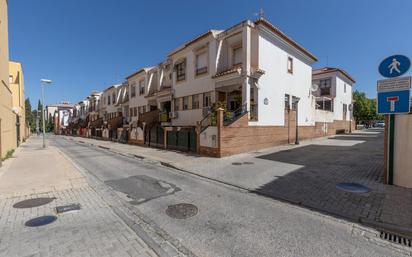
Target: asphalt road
229,222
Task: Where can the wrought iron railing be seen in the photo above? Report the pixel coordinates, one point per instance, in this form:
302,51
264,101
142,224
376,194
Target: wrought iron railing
231,116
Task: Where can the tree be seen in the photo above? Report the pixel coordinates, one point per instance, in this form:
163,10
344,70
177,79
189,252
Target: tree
30,120
50,124
40,117
364,109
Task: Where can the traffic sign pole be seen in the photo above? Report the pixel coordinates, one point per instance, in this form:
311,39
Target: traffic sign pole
391,146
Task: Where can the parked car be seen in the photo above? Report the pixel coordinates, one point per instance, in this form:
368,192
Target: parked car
380,124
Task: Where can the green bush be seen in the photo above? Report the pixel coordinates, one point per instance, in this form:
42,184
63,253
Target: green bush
9,154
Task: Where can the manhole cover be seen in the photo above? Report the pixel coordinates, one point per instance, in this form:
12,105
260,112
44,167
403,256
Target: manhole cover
67,208
35,202
236,163
40,221
353,187
181,211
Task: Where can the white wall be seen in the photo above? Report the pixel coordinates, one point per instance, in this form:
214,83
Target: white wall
138,100
208,137
342,98
277,82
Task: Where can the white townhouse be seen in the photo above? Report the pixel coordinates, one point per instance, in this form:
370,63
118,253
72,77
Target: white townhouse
108,108
333,89
250,69
138,91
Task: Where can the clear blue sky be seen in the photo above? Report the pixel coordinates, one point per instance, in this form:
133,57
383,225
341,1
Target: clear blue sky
85,45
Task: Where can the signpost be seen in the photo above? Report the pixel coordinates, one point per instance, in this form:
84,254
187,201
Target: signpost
393,98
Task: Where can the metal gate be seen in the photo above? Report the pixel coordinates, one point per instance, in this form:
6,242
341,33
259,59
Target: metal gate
182,140
154,136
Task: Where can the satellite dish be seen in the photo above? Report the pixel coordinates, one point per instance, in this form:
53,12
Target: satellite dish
314,88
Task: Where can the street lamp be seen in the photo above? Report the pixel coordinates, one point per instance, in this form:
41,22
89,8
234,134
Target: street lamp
44,82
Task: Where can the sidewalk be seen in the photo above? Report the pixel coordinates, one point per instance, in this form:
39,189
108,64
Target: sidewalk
305,175
94,230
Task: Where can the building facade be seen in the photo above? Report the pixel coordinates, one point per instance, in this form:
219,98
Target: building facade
8,119
16,83
228,91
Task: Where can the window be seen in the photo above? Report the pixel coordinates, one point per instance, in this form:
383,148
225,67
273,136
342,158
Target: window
324,104
290,65
287,102
195,101
185,103
177,104
141,87
113,98
344,88
108,100
181,71
133,90
10,79
325,85
201,63
237,55
207,99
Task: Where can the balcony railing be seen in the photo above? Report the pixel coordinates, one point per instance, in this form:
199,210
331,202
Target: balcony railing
231,116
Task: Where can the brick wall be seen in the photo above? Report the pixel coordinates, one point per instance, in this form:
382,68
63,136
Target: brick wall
239,137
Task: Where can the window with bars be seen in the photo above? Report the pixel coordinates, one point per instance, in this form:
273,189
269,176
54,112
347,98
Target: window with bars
201,63
133,90
177,104
237,55
141,87
185,103
195,101
181,70
207,99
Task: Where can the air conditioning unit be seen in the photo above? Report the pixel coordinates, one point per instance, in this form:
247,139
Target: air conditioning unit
173,115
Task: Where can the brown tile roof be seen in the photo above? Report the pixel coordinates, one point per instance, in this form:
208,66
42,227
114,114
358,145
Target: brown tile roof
226,72
330,70
278,32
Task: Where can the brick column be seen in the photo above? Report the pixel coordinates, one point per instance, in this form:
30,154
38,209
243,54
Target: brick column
219,125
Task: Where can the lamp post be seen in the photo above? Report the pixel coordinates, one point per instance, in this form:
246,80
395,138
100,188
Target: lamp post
296,102
43,83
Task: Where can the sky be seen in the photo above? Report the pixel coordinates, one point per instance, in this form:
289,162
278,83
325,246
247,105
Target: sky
86,45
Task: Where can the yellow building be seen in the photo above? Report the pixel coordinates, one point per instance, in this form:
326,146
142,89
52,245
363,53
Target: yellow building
8,133
16,82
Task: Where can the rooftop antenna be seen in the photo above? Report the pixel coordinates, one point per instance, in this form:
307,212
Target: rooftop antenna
260,14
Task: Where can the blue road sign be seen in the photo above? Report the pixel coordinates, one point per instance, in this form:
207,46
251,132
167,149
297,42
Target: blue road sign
394,66
393,102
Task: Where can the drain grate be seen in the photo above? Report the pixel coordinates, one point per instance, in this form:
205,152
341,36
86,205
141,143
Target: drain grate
181,210
35,202
248,163
68,208
40,221
236,163
396,239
